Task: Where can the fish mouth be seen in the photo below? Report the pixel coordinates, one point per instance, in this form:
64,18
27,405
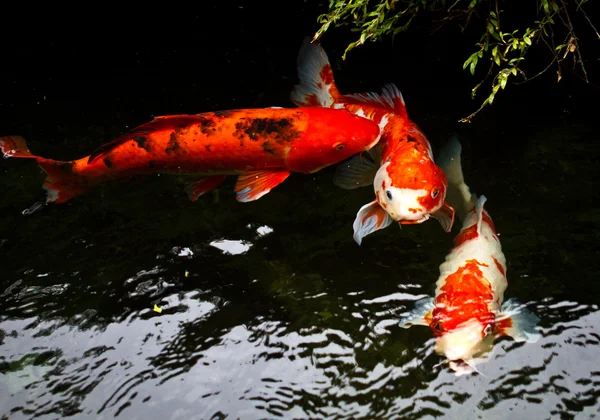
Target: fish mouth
462,367
414,221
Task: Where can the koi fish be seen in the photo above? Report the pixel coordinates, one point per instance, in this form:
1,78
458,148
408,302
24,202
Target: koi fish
409,187
467,313
261,146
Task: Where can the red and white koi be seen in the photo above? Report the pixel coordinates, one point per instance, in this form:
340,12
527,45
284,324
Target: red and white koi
261,146
409,186
467,313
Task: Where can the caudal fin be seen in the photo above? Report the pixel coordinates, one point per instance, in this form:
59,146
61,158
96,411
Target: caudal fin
459,196
316,87
15,146
61,183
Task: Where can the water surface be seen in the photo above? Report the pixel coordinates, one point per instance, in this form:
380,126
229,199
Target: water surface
269,309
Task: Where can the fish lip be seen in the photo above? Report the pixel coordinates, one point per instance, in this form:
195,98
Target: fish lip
414,222
462,367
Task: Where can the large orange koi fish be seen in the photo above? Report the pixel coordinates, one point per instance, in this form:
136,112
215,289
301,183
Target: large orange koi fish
261,146
409,186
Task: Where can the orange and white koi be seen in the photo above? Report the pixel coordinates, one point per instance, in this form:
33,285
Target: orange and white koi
409,186
261,146
467,313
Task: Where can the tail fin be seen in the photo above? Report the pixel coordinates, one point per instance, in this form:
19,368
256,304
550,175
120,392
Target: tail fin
61,184
316,87
458,195
15,146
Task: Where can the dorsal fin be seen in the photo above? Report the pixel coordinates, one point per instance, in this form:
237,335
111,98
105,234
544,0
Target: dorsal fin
158,123
390,98
479,208
317,86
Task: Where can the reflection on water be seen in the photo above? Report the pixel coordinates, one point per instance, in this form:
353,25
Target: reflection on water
271,310
231,247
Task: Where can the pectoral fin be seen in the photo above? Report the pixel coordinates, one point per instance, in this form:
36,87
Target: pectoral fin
359,171
252,185
445,215
420,315
518,322
197,188
370,218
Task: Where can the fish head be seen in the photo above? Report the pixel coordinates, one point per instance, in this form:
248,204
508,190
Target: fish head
465,345
334,142
413,192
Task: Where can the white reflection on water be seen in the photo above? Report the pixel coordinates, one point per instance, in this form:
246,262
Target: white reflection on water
264,230
233,247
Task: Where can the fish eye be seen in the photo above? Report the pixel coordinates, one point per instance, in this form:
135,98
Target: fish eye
488,329
388,193
435,193
339,146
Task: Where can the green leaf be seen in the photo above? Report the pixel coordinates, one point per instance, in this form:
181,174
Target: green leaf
503,81
527,40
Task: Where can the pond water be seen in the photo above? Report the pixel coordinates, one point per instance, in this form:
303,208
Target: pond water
269,308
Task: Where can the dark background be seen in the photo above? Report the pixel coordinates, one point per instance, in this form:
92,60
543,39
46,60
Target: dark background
73,79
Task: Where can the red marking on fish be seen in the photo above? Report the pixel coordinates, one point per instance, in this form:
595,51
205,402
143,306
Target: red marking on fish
466,235
485,218
499,266
465,295
326,75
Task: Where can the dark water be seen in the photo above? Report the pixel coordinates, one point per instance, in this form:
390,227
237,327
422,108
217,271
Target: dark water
269,309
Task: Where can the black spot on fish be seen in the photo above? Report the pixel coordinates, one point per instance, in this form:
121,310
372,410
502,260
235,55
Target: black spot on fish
208,126
142,142
173,147
410,139
208,147
281,130
108,162
268,148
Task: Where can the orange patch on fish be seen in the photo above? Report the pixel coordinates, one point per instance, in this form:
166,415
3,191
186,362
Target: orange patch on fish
464,296
466,235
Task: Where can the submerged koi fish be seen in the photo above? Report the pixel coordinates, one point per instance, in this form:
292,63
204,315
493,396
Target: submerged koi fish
262,146
467,313
409,186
